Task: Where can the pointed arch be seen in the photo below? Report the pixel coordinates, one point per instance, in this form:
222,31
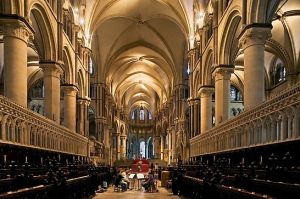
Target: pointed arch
67,66
229,38
40,18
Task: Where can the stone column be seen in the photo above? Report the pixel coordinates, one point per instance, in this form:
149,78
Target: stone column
52,72
162,146
222,74
16,34
252,40
70,106
118,146
173,144
169,132
83,104
206,107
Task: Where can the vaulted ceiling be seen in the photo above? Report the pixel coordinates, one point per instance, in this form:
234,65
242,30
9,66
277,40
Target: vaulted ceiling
140,48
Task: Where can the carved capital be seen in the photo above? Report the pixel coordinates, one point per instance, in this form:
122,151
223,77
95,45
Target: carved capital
206,91
223,72
69,89
17,29
84,101
51,69
254,36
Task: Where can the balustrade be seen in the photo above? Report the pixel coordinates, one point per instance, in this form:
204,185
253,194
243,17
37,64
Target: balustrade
276,120
20,126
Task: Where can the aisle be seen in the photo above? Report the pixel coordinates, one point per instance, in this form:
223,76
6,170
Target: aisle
132,194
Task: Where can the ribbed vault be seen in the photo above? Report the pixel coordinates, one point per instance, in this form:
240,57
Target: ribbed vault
139,49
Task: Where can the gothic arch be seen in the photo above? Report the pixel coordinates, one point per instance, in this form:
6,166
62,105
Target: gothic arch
262,11
47,47
207,68
81,83
229,42
67,66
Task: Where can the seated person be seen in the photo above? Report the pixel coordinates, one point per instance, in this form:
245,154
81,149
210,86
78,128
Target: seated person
125,179
149,181
119,181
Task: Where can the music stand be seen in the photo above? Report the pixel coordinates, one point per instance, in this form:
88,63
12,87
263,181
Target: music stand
140,177
132,177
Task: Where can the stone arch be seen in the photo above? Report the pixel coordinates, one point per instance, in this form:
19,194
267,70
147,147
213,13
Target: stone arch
207,69
67,66
47,46
197,82
12,7
81,83
262,11
228,42
122,130
275,48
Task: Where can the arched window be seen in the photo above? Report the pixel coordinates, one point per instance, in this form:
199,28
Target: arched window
235,94
68,22
37,90
142,149
142,114
91,66
132,115
279,73
150,116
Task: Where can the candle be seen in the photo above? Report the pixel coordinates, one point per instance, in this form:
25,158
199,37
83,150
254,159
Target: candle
26,159
4,157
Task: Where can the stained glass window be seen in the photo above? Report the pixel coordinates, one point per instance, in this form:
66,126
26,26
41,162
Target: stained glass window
142,115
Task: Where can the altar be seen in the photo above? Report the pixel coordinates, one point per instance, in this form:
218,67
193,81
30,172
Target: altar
140,166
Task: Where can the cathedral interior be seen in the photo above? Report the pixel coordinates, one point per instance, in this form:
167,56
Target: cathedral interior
200,87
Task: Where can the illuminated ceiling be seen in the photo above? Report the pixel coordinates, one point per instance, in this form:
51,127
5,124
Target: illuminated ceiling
139,48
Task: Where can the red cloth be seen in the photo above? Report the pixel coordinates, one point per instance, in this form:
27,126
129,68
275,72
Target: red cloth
144,166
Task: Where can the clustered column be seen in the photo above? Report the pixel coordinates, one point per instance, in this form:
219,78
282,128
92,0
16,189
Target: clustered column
70,92
222,76
252,40
206,107
16,34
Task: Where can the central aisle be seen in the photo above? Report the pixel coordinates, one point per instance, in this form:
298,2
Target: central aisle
130,194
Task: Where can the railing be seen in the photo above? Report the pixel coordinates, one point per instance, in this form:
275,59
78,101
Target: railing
274,121
23,127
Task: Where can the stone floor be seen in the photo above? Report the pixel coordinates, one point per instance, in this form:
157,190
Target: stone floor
135,194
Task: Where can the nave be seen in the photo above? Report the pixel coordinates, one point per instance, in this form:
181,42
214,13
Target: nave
95,91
